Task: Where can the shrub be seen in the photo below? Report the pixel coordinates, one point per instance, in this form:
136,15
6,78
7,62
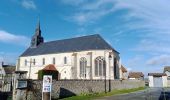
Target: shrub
41,73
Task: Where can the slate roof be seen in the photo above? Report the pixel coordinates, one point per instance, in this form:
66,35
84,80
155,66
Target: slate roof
136,75
156,74
166,68
91,42
9,70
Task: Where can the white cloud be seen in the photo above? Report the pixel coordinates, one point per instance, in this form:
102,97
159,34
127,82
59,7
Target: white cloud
153,46
73,2
129,69
149,18
160,60
90,11
13,39
90,16
80,35
151,13
135,61
28,4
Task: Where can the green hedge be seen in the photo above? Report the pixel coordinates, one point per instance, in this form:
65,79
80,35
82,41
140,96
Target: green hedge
41,73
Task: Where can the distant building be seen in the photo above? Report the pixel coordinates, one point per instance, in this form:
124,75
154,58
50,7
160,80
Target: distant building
157,79
6,69
2,71
6,77
136,75
167,72
123,73
86,57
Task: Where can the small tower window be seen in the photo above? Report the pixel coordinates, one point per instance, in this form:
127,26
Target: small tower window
65,60
43,62
54,61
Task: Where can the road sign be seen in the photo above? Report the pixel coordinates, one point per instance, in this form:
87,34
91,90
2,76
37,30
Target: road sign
47,85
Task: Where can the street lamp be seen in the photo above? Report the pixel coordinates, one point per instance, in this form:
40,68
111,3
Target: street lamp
110,58
104,64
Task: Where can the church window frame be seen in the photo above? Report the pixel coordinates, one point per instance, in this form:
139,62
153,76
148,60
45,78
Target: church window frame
83,66
33,62
43,61
54,60
65,60
100,66
26,62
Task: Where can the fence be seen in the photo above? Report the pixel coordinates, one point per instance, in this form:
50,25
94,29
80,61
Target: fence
6,83
66,88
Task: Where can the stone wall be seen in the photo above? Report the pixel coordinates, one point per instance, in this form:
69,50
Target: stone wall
66,88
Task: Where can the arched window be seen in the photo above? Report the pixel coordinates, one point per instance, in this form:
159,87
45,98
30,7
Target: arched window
25,62
54,60
100,66
65,60
43,62
83,65
33,61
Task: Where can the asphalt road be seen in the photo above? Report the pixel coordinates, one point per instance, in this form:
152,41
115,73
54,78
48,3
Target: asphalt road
148,94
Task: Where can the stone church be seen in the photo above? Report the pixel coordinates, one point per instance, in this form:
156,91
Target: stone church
85,57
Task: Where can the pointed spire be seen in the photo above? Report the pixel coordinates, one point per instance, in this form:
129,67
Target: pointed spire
38,25
37,38
38,30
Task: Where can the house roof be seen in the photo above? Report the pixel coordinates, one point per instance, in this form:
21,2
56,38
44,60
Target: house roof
136,75
9,69
123,68
7,65
167,68
50,67
156,74
21,72
91,42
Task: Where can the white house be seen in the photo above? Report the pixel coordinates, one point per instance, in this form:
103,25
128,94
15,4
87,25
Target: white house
86,57
2,71
167,72
157,79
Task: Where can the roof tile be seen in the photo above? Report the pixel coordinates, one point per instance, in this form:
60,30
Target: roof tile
91,42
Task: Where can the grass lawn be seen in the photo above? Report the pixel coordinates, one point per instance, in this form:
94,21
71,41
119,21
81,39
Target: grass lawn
97,95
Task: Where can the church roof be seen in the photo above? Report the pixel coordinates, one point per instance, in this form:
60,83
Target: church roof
90,42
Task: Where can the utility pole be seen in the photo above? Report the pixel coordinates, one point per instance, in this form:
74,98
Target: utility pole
30,67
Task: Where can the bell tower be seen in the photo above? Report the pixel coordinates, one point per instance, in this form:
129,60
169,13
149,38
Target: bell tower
37,39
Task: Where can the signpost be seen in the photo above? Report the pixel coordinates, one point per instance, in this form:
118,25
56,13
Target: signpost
47,85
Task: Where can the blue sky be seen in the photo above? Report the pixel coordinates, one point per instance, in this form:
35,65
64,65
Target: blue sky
138,29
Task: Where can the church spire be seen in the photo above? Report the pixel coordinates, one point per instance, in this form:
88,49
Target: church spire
37,38
38,30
